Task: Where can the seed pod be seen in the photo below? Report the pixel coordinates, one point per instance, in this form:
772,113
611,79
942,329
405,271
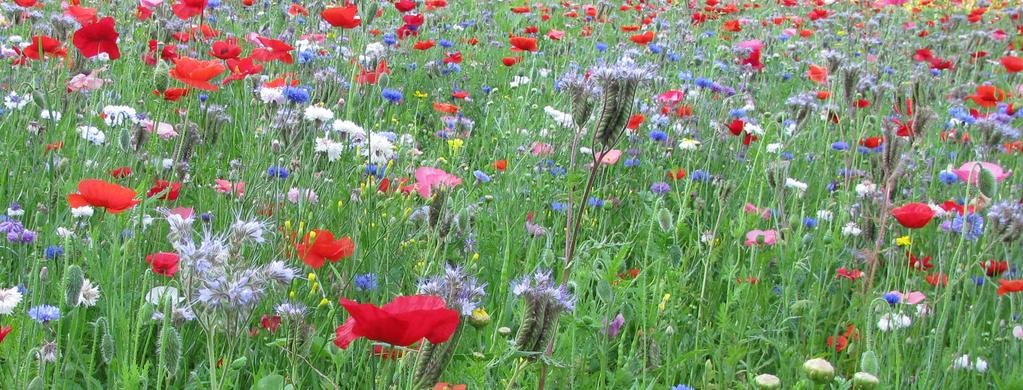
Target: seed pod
169,346
868,362
73,279
987,183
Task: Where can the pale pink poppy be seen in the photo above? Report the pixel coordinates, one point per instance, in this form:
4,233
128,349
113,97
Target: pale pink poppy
611,157
85,82
541,149
183,212
226,187
428,178
970,172
999,35
671,97
753,209
910,298
761,237
150,3
163,130
751,44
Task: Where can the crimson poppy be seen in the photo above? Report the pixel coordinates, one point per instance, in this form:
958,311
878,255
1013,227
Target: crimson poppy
994,268
424,45
319,245
913,215
510,61
98,193
1012,64
501,165
226,49
523,44
405,5
172,94
839,343
851,274
922,264
185,9
817,74
987,96
635,121
173,190
197,73
643,39
1006,286
4,331
346,17
83,15
241,68
273,50
41,45
99,37
164,263
121,172
25,3
402,322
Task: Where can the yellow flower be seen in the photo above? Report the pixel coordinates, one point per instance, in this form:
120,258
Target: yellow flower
475,256
904,241
312,277
421,94
324,302
455,144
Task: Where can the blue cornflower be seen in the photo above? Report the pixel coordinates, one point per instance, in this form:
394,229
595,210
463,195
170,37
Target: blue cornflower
631,162
892,298
54,251
559,206
278,172
658,136
392,95
971,226
660,188
682,387
296,95
557,171
655,49
203,97
703,82
787,156
44,313
601,47
948,177
390,39
595,202
840,145
699,175
481,176
366,282
445,43
810,223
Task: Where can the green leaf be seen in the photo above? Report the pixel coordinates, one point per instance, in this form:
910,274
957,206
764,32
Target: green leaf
604,291
269,382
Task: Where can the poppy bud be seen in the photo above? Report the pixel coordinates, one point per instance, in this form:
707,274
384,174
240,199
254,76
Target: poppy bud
73,279
665,221
987,183
862,380
767,381
504,331
39,99
239,362
868,362
819,370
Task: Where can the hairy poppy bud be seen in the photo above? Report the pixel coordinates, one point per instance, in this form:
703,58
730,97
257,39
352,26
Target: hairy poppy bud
767,381
819,370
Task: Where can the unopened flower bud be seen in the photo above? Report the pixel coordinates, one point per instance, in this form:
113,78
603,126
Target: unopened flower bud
767,381
479,318
863,380
819,370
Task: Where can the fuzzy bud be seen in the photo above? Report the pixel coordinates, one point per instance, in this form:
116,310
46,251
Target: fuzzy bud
819,370
767,381
862,380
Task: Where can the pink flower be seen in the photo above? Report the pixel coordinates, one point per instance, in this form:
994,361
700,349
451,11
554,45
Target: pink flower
183,212
226,187
910,298
611,157
671,97
541,149
85,82
297,194
428,178
753,209
150,3
162,129
970,172
761,237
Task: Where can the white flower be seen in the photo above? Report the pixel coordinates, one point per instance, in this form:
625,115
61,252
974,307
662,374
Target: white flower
751,128
376,50
824,215
91,134
980,365
330,148
544,72
64,233
1017,332
689,144
89,294
117,115
318,113
160,294
380,149
893,321
15,213
961,362
518,80
561,118
13,101
923,310
350,129
9,299
51,115
774,148
795,184
167,163
272,95
850,229
865,188
82,212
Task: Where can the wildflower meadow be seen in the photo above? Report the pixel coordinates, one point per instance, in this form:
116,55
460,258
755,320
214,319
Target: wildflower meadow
511,194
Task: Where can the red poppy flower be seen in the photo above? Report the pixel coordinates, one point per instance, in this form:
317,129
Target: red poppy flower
241,68
937,280
447,386
817,74
346,17
402,322
987,96
510,61
25,3
319,245
643,39
164,263
42,44
99,37
424,45
173,190
445,108
405,5
1006,286
842,341
501,165
273,50
4,331
635,121
913,215
185,9
677,174
98,193
871,142
121,172
523,44
172,94
226,49
1012,64
270,323
851,274
83,15
922,264
994,267
197,73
